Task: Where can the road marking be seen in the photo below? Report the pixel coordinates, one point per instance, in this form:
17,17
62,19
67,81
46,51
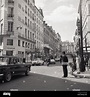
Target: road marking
71,85
23,81
86,81
13,89
65,81
67,88
44,81
74,83
75,89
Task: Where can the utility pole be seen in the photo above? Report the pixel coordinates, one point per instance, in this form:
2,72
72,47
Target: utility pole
82,66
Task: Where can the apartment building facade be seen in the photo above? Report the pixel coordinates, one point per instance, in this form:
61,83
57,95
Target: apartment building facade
39,35
17,28
68,47
85,8
52,40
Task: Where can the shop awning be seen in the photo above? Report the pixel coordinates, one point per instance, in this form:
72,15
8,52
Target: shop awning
47,46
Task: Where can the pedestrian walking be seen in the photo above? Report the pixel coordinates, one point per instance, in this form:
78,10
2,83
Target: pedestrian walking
74,63
78,60
48,61
86,62
64,64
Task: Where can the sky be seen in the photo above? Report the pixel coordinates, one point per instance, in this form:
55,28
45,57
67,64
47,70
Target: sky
61,15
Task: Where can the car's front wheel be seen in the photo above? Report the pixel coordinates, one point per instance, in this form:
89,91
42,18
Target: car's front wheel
27,72
8,77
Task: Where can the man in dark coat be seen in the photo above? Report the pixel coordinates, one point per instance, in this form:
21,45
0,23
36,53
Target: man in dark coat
64,64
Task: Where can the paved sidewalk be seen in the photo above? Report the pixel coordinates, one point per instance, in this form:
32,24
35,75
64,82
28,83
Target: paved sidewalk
85,74
56,71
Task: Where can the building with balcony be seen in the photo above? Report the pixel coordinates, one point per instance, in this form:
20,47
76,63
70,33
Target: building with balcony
17,28
85,9
39,35
68,47
52,40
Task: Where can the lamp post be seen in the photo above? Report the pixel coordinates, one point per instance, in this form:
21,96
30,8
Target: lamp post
82,66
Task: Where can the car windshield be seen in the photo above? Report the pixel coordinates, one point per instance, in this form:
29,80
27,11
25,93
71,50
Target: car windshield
3,61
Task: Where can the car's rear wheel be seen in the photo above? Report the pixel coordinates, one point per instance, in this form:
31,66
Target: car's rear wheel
27,72
8,77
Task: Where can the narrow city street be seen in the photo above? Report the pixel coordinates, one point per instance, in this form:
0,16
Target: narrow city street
43,78
33,32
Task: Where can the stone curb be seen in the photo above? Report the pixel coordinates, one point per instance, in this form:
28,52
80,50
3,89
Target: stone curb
81,75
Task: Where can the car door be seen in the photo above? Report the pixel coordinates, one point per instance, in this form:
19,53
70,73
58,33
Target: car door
16,68
21,67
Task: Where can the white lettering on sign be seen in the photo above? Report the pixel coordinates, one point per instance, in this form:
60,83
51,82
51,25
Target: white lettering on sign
6,94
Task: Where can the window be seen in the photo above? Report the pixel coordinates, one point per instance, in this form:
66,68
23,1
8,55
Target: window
1,28
10,1
0,53
19,42
28,22
26,1
10,12
9,53
28,12
28,34
25,33
33,37
26,45
10,26
22,9
1,40
19,6
23,43
10,42
26,9
25,20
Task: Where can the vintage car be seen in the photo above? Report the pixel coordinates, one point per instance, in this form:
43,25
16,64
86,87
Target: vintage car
52,61
10,66
57,59
37,62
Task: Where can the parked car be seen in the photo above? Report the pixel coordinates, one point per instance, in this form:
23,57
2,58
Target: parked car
34,62
37,62
52,61
10,66
57,59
